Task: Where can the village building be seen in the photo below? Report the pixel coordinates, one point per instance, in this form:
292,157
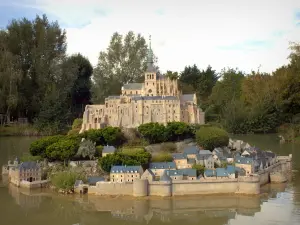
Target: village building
181,161
25,171
182,174
245,163
148,175
108,150
157,99
158,168
122,174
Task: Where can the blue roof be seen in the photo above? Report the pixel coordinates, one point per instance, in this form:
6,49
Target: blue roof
165,177
205,152
108,149
189,172
178,156
94,180
210,173
221,172
243,160
162,165
173,173
28,166
231,169
191,150
202,157
125,169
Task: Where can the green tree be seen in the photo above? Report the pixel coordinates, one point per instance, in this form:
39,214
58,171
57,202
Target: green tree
87,148
177,131
38,147
62,150
153,132
210,137
200,169
112,136
123,61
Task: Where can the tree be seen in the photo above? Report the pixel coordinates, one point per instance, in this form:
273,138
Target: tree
210,137
123,61
87,148
193,80
153,132
62,150
38,147
112,136
177,131
200,169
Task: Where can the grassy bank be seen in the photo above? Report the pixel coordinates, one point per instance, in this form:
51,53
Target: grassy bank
21,130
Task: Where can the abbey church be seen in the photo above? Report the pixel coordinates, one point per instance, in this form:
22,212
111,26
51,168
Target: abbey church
158,99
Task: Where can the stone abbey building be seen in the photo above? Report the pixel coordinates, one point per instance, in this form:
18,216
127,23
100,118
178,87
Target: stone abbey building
158,99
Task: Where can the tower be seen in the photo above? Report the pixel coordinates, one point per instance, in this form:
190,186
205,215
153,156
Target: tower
150,74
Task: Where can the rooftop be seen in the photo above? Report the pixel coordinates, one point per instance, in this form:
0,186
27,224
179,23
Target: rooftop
178,156
191,150
205,152
162,165
243,160
133,86
28,166
221,172
108,149
126,169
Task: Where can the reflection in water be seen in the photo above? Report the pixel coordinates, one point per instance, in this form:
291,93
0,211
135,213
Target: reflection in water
92,209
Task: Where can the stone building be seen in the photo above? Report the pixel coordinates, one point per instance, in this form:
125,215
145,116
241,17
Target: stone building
122,174
158,99
25,171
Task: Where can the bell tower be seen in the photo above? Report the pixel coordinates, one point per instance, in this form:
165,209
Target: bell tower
150,74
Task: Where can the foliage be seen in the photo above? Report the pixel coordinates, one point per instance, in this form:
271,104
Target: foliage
112,136
132,150
77,123
94,135
38,147
123,61
119,158
28,157
65,180
210,137
175,131
99,150
168,147
153,132
162,157
87,148
200,169
62,150
20,130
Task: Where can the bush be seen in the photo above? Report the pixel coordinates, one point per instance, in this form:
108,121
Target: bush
99,150
65,180
86,148
162,157
200,169
73,131
62,150
152,132
38,147
77,124
94,135
132,151
168,147
210,137
112,136
176,131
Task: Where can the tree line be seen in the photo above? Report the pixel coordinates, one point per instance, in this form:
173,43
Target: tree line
40,82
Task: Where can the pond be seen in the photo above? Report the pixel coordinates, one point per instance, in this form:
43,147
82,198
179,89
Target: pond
277,205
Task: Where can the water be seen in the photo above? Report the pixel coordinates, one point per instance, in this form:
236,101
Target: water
277,205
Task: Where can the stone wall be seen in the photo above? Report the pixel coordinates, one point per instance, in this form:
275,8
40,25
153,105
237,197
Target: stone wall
110,188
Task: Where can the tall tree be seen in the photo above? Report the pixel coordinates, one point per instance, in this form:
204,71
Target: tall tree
193,79
123,61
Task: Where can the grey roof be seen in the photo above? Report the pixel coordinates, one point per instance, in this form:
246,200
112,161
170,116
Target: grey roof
137,98
108,149
189,172
162,165
205,152
202,157
165,177
125,169
94,180
187,97
210,173
133,86
221,172
243,160
191,150
178,156
28,166
173,173
231,169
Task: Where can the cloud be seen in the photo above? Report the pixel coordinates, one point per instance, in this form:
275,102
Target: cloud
220,33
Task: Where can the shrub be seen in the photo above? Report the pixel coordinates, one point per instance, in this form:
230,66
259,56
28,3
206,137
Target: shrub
94,135
38,147
77,124
86,148
153,132
200,169
168,147
65,180
176,131
62,150
210,137
162,157
73,131
132,151
112,136
99,150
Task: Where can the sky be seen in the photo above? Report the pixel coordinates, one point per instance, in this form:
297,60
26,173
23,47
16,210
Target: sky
240,34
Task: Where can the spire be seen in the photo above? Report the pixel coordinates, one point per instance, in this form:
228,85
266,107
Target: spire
150,61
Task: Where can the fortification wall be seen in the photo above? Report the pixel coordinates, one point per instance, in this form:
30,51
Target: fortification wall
160,188
109,188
